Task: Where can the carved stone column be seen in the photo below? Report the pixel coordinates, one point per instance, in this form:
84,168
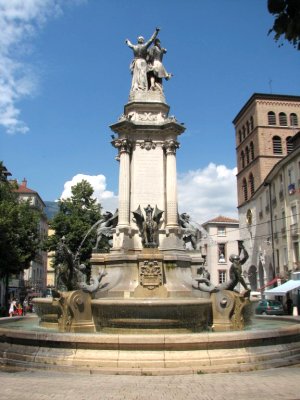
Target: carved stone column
171,183
124,147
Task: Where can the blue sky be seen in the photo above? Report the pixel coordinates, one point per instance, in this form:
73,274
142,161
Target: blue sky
65,79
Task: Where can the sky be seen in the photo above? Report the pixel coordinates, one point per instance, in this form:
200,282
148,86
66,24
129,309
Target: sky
64,79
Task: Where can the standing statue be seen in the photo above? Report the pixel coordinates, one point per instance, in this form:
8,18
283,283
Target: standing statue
190,233
235,275
148,226
139,66
155,66
236,268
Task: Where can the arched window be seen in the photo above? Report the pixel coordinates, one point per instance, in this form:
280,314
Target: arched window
251,184
251,123
245,189
277,146
243,159
289,145
244,132
293,119
248,127
247,155
240,136
271,118
282,119
252,151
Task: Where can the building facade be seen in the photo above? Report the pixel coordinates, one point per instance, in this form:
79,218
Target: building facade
268,180
223,233
35,277
263,128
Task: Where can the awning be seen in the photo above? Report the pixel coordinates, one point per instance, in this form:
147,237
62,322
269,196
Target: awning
284,288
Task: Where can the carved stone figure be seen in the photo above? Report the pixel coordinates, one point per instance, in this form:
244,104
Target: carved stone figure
66,278
156,69
148,226
235,275
236,268
105,228
190,233
139,66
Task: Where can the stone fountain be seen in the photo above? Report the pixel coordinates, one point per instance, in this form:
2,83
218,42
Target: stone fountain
149,280
146,308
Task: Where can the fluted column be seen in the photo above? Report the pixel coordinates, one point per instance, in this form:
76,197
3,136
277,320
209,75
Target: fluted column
124,147
171,182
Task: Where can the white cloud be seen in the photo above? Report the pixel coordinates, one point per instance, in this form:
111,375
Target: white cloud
106,198
207,193
204,193
20,20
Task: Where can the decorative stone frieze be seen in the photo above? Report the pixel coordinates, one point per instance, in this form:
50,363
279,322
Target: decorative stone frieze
147,144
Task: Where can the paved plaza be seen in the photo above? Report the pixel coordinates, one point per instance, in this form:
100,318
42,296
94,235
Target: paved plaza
280,383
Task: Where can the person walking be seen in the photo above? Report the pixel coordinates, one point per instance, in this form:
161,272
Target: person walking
12,307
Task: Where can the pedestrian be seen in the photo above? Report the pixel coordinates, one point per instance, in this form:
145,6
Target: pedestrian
12,307
25,305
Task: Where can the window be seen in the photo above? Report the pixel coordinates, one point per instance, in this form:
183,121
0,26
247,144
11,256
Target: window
251,184
251,123
248,127
222,252
293,214
283,230
271,118
245,189
221,231
277,146
247,155
289,145
244,133
291,175
252,151
282,119
293,119
222,275
240,136
243,159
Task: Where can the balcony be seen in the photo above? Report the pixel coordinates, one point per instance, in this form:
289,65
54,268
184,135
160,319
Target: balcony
294,230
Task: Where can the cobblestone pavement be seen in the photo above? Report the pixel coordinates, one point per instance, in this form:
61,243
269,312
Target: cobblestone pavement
280,383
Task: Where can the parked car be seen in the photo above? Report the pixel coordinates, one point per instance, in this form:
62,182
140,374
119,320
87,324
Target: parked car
269,307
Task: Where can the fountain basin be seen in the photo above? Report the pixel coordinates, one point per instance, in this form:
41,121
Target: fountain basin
149,354
192,314
189,314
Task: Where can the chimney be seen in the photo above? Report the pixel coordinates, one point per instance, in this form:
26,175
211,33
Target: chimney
24,183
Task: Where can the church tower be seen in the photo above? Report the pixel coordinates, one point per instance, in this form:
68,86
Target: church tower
263,128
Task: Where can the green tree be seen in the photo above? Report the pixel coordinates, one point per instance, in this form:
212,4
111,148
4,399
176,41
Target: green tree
287,20
19,231
76,216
